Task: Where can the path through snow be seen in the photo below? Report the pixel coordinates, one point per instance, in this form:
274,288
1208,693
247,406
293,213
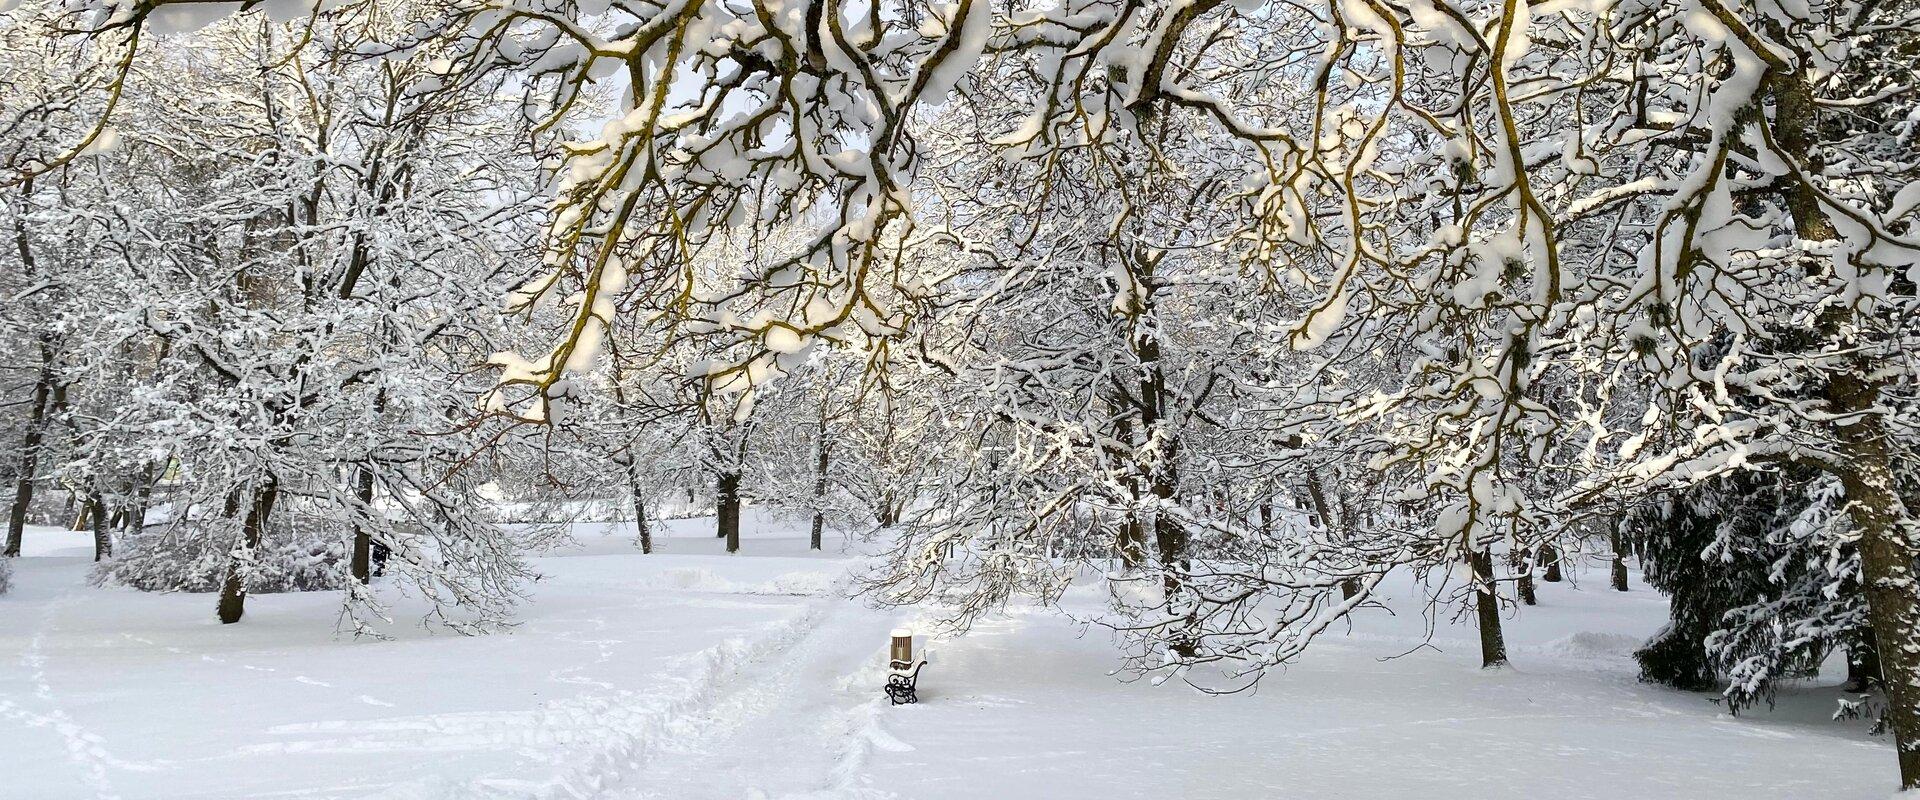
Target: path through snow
796,722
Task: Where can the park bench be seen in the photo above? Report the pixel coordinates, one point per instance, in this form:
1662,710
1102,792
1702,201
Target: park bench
903,672
903,680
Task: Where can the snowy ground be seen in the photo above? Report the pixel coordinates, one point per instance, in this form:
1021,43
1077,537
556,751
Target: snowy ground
693,674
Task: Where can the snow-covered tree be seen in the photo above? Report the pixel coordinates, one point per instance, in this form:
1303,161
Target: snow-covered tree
291,260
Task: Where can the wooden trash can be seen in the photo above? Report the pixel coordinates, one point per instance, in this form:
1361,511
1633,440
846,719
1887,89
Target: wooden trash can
900,655
903,673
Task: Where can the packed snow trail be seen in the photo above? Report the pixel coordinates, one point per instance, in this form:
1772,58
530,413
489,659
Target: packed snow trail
796,723
602,740
709,730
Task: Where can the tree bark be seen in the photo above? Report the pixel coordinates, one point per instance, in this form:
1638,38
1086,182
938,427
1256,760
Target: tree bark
1321,509
1875,503
1619,557
1171,540
35,433
363,538
30,444
1131,535
102,535
1493,644
1133,542
1863,665
820,465
233,594
1161,474
1887,553
136,520
143,485
1523,578
1550,556
642,532
83,517
727,509
368,556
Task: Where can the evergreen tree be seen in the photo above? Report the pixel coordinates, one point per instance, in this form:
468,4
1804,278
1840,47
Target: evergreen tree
1764,581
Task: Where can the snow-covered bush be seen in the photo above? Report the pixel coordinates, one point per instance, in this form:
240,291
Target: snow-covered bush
289,559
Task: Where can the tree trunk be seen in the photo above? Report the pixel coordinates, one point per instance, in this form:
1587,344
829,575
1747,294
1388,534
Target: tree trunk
820,483
136,519
31,440
1493,644
30,444
363,538
102,535
1162,477
1523,578
1171,540
1863,665
1879,512
1315,495
1887,553
1131,536
1168,536
233,595
1133,541
82,518
727,509
1550,556
642,532
1619,558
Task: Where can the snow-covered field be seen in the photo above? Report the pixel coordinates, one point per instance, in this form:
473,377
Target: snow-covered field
693,674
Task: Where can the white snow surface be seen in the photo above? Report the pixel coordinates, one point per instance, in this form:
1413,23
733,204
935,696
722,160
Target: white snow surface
689,673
